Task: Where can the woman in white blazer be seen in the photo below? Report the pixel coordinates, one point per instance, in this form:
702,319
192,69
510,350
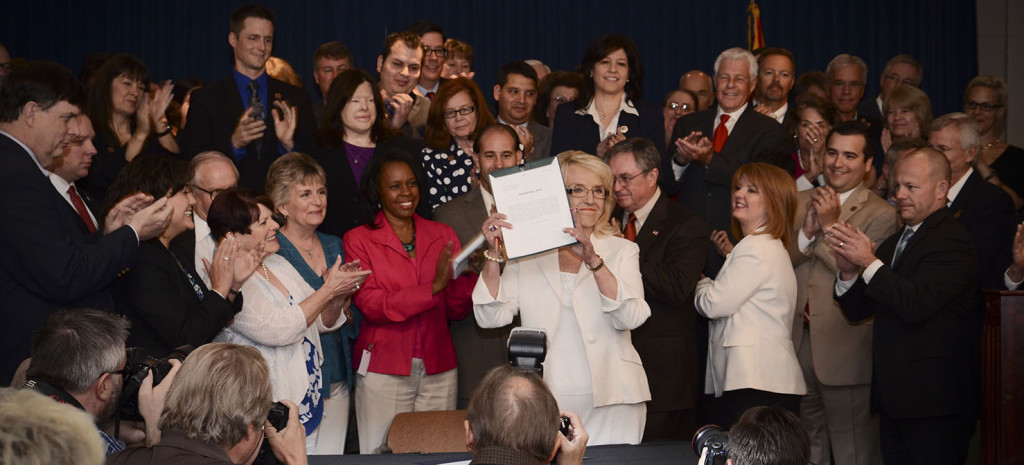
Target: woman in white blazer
586,297
751,360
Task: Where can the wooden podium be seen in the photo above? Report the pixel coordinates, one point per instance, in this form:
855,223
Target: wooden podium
1002,390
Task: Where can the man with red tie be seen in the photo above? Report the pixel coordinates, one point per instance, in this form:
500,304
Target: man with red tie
673,243
710,144
74,165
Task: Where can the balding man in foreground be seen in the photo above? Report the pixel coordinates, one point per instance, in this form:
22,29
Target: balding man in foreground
921,288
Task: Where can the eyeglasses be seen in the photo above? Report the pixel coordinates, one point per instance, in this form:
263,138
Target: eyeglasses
580,192
560,99
677,105
7,67
971,105
124,372
212,193
625,180
438,52
464,111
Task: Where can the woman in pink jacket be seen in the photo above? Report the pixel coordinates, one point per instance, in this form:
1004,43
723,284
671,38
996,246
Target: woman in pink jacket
404,353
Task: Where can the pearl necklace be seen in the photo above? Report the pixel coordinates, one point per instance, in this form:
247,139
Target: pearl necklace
265,274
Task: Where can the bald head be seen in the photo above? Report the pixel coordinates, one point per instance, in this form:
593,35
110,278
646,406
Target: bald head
922,184
212,172
699,83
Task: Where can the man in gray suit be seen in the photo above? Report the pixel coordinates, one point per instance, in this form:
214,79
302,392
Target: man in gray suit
516,95
479,349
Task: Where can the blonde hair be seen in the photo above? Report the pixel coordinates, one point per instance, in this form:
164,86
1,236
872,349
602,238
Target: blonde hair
37,430
289,171
779,192
221,390
279,69
601,169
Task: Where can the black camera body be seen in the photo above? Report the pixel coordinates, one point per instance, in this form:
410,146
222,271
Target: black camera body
527,348
138,365
278,415
716,440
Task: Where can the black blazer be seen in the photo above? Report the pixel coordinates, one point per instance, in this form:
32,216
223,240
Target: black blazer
579,132
673,242
162,305
47,260
927,322
706,189
987,212
215,112
343,187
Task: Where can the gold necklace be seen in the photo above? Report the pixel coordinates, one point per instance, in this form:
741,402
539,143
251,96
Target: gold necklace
991,144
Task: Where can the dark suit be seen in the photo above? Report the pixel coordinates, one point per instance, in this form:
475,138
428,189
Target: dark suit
673,243
478,349
987,212
706,189
869,109
215,112
926,347
541,141
163,306
572,131
47,261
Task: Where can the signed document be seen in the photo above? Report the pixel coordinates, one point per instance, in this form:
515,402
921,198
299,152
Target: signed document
533,196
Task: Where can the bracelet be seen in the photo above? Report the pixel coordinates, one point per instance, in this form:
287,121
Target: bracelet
165,132
234,292
598,267
991,175
495,260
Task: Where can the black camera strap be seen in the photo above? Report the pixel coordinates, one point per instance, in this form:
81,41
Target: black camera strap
53,392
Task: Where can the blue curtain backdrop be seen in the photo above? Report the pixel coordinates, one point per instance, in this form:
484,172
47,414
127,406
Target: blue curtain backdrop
189,38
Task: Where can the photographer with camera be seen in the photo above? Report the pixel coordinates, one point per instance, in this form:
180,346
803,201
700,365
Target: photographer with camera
79,358
513,419
762,436
217,412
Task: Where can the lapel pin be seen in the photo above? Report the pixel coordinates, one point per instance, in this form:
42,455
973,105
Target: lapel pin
853,208
277,95
623,129
957,214
655,232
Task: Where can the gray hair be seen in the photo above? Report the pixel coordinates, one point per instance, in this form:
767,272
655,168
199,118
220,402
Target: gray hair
906,59
963,122
76,346
737,53
643,150
845,59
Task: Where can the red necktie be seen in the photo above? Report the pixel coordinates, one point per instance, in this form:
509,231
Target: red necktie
630,232
76,200
721,134
430,96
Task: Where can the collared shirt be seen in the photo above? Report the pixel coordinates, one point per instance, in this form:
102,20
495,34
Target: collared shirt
496,455
643,212
677,169
780,114
62,186
955,189
878,101
205,246
242,81
870,270
613,125
423,90
524,125
488,200
32,154
112,444
805,242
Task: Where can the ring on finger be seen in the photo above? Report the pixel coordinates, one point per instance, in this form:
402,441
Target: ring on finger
492,228
841,244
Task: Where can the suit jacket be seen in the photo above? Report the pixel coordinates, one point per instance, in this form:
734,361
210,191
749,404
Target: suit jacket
47,260
163,305
532,287
574,131
673,243
840,350
869,109
706,189
478,349
987,212
397,302
541,141
928,319
750,304
215,112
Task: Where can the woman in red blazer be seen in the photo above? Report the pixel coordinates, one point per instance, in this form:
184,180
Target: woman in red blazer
404,353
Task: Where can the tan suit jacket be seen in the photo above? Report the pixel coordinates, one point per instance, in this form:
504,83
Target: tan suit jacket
841,351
